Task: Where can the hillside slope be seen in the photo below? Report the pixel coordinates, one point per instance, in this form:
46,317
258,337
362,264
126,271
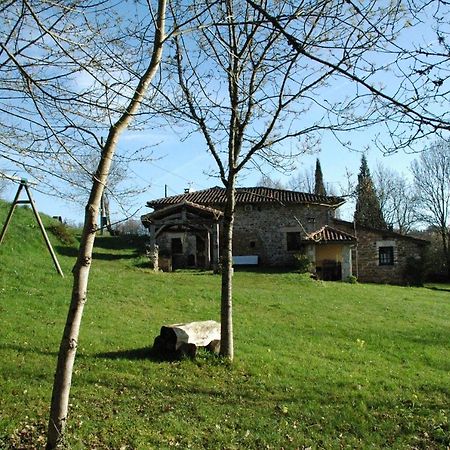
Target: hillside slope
319,365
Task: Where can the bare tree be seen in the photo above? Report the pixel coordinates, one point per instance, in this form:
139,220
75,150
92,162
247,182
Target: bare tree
266,181
67,351
251,96
237,85
431,172
303,181
67,72
396,86
71,75
397,198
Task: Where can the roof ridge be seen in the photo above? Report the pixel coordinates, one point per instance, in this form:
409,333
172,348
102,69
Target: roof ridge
259,194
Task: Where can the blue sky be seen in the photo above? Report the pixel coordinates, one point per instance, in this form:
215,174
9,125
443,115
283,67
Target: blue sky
185,164
180,164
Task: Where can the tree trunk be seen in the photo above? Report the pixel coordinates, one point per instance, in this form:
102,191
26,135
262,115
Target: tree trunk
226,316
69,341
445,248
68,346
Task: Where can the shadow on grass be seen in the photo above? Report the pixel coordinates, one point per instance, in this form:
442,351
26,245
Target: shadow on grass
194,271
28,349
440,289
73,252
148,353
133,355
264,270
125,242
245,269
143,265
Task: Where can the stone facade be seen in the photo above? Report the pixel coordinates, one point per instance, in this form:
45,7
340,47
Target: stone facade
275,225
367,262
261,229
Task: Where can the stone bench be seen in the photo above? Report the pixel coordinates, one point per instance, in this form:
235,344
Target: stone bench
184,338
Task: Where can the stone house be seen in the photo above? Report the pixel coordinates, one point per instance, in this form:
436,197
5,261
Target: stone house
383,256
272,227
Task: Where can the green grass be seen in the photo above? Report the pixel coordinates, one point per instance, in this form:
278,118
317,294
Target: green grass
320,365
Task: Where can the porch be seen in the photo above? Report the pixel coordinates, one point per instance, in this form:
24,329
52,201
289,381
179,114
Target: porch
330,251
184,235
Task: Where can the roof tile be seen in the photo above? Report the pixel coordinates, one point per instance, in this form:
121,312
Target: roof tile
327,234
216,196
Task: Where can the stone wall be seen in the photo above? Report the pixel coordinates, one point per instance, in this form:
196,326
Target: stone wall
365,255
261,229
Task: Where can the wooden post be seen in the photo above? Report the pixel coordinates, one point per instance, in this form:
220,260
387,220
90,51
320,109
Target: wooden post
44,234
11,211
208,250
152,235
30,201
215,247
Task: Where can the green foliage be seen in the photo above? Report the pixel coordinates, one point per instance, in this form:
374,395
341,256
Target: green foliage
352,279
320,365
319,186
62,232
303,264
368,210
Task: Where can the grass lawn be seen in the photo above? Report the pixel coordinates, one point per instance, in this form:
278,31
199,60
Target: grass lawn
319,365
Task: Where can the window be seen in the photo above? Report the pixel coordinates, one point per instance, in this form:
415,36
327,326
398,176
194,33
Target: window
176,246
293,241
386,256
252,244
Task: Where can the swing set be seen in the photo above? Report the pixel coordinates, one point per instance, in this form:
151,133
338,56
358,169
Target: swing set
24,184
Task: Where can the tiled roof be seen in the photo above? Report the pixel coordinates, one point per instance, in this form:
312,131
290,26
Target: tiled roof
329,234
216,196
198,209
383,233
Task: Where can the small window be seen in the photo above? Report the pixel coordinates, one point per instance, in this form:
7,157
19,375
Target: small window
293,241
176,246
252,244
311,220
386,256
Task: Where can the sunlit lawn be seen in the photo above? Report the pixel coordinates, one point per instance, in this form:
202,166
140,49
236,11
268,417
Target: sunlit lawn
320,365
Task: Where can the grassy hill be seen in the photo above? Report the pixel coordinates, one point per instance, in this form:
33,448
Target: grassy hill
319,365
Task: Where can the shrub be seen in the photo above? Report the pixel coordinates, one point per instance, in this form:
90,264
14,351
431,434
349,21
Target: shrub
303,264
416,270
62,232
352,279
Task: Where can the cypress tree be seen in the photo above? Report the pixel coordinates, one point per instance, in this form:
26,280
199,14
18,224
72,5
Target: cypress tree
319,187
368,210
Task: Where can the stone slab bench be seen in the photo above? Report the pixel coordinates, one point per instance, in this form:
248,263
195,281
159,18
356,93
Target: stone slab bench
185,338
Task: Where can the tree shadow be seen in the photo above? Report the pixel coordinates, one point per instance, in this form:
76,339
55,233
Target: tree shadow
134,354
124,242
265,270
28,349
440,289
144,265
150,354
73,252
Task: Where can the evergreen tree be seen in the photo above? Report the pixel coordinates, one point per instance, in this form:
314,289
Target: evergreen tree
319,187
368,210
